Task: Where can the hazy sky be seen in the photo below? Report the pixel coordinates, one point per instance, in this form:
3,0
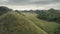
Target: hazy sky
31,4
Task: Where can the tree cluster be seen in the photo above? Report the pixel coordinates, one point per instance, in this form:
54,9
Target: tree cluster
50,15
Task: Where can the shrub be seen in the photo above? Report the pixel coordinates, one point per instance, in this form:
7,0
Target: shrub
48,16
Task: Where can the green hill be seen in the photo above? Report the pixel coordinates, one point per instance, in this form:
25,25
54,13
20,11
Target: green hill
26,22
49,27
14,23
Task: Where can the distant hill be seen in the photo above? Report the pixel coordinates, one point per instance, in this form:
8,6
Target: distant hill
32,11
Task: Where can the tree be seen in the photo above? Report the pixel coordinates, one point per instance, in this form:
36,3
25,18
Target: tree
17,11
48,16
51,10
3,9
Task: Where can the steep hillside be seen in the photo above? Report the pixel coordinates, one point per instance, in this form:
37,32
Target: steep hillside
14,23
49,27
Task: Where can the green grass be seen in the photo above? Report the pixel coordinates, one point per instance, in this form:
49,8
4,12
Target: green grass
14,23
48,27
26,23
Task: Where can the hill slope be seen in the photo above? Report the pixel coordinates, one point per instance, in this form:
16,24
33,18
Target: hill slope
48,27
14,23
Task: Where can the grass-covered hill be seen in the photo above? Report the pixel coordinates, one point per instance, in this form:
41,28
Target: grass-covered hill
15,23
47,26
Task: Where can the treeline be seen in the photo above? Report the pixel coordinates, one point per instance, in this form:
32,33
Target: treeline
49,15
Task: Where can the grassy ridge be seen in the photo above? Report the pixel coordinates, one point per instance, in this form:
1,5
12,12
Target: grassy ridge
14,23
48,27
